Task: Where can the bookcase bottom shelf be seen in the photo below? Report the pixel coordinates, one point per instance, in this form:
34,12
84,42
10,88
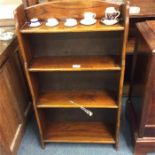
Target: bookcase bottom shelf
79,132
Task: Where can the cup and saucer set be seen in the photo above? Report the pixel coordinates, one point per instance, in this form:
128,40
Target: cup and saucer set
111,18
34,22
89,18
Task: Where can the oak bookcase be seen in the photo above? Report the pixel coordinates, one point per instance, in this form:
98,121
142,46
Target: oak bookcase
50,54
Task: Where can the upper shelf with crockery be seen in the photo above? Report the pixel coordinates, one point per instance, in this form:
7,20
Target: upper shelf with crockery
71,9
78,28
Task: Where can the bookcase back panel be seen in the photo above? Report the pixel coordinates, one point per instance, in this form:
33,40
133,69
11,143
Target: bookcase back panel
78,115
78,81
76,44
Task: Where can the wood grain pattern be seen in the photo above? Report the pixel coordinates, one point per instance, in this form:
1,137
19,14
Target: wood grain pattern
147,8
20,19
149,122
151,25
147,13
63,9
30,2
5,48
148,34
24,45
125,13
66,63
79,28
75,132
144,114
89,99
145,146
14,99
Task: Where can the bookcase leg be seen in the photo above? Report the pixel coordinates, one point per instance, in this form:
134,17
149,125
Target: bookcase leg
117,146
42,145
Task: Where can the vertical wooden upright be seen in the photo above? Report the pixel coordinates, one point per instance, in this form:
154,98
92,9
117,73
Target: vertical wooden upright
28,3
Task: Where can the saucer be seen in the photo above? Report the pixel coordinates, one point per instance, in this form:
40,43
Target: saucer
52,24
35,24
70,24
134,10
88,22
109,22
6,36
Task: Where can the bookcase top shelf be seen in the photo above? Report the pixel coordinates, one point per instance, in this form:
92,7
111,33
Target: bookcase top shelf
78,28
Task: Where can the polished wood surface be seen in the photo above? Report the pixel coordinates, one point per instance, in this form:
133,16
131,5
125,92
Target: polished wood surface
30,2
5,48
147,12
83,132
147,8
38,58
14,99
18,13
121,82
148,32
141,111
74,99
151,24
74,63
144,146
79,28
75,9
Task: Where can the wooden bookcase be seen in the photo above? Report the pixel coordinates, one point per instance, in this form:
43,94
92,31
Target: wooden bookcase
50,54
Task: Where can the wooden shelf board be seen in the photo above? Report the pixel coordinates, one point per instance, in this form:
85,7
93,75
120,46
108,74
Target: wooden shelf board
74,63
72,99
79,28
78,132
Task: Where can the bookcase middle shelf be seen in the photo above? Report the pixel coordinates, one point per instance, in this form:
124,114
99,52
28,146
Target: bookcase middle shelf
74,63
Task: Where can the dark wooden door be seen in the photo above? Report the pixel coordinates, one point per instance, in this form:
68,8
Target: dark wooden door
13,104
151,113
148,116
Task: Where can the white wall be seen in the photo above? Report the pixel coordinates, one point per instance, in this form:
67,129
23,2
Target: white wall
9,2
7,7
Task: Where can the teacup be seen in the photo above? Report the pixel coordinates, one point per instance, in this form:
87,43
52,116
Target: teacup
111,13
89,15
34,20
